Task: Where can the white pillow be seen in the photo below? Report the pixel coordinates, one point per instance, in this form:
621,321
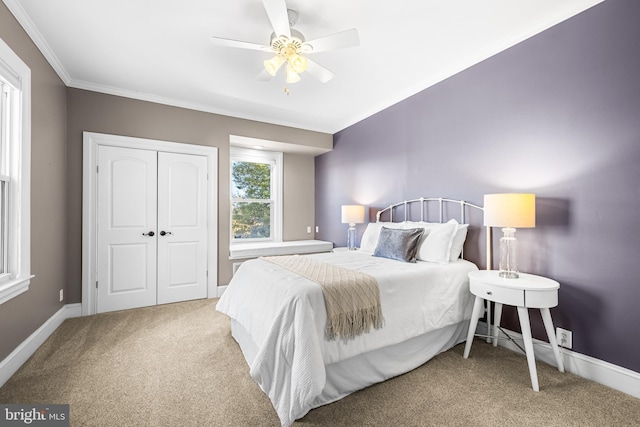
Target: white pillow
458,242
437,245
427,226
371,234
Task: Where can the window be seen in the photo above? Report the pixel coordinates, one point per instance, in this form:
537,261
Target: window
15,171
256,202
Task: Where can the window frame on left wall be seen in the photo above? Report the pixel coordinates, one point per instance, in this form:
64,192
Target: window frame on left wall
15,170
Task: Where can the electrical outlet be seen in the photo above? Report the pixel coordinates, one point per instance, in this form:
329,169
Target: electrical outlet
317,229
309,230
61,295
564,337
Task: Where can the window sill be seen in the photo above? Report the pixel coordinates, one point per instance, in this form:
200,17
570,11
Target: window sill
254,250
13,288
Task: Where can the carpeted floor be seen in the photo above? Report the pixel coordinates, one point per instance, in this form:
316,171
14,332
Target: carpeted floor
177,365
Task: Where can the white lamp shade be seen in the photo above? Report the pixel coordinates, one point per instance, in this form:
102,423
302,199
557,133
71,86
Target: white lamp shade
298,63
510,210
352,214
292,76
273,65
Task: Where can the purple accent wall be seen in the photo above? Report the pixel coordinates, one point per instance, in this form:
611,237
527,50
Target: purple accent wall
557,115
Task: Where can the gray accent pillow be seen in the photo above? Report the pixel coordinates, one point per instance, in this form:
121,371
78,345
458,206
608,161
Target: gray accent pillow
399,244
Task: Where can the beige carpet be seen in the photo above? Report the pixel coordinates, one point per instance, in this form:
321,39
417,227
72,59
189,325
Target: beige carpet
177,365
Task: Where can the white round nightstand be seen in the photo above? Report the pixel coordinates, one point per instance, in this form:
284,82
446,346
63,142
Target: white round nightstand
527,291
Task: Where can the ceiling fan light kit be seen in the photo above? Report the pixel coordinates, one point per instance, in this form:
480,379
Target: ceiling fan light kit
290,47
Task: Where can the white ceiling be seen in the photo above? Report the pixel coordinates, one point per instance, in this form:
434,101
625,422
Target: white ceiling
160,50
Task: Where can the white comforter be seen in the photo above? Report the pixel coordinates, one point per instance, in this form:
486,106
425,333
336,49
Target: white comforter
285,315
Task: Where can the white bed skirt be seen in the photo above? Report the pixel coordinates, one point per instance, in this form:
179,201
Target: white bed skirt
356,373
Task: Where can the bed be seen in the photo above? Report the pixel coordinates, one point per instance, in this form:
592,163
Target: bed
279,318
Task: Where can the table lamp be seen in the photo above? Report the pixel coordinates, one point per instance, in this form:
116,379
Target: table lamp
509,211
352,215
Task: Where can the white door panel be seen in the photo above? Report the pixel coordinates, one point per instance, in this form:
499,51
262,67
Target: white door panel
182,186
127,265
183,263
130,186
182,215
127,201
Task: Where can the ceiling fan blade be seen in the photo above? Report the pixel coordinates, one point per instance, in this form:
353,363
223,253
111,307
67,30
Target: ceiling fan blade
318,71
219,41
264,76
347,38
277,12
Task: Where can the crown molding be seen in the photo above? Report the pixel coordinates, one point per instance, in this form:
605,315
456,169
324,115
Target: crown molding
27,24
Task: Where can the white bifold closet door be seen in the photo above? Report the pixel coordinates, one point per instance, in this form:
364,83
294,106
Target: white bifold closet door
152,228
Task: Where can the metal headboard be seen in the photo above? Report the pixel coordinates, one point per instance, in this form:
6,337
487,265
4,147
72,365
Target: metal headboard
441,204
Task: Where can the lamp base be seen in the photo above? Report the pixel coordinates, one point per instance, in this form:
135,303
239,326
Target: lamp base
508,274
508,254
351,237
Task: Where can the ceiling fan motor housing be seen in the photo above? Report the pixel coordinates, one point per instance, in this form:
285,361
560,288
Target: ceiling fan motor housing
284,45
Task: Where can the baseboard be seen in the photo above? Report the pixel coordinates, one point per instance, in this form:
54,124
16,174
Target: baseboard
616,377
23,352
221,290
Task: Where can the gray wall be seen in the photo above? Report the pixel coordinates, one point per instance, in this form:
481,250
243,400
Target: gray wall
557,115
96,112
299,196
22,315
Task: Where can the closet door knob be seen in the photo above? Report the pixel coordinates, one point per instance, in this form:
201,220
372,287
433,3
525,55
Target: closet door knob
150,234
164,233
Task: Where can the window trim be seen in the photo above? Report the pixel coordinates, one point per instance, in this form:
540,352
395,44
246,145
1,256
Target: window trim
18,75
4,227
276,158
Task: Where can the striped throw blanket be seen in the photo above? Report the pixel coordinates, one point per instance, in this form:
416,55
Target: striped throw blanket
352,298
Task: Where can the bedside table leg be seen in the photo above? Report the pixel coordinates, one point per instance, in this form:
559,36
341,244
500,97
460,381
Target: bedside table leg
523,315
473,323
496,326
548,325
488,320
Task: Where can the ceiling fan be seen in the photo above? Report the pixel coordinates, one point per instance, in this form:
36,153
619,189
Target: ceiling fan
290,47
